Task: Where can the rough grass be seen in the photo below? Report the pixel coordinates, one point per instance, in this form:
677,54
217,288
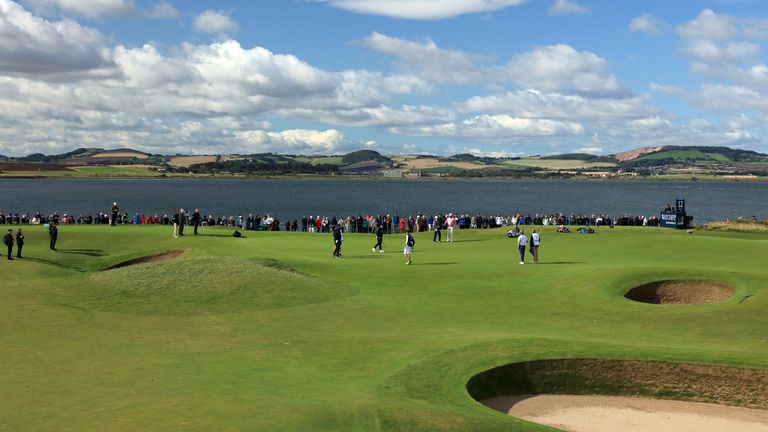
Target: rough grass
738,226
364,343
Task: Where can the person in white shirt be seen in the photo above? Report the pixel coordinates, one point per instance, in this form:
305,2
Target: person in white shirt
450,223
535,242
522,241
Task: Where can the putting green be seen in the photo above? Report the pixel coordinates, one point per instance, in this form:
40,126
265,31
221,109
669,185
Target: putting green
269,332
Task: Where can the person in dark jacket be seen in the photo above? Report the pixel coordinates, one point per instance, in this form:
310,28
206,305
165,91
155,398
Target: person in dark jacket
337,239
379,239
8,242
19,242
182,221
115,213
196,219
53,232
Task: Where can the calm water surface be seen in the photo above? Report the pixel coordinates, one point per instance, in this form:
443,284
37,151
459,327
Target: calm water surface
290,199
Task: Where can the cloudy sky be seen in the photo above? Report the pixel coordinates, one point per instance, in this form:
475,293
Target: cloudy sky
496,77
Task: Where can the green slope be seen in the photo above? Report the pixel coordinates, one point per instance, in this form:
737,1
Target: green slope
269,333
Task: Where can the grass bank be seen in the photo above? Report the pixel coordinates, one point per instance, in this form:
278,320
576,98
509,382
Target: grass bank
269,332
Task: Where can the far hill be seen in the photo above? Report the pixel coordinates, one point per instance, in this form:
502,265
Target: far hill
701,156
572,156
365,156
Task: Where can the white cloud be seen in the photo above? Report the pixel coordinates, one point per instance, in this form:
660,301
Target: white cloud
423,9
496,128
548,68
589,150
567,7
432,63
32,45
163,10
645,23
215,22
295,140
560,67
88,8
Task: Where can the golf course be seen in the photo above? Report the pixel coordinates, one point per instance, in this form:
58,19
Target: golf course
128,329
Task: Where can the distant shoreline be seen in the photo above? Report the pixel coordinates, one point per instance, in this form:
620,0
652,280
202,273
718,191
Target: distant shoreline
662,178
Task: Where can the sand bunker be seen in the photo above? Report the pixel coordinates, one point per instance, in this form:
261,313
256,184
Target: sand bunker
158,257
627,414
653,395
681,292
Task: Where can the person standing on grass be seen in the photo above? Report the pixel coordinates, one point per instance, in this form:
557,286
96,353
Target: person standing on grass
337,239
535,242
410,242
182,221
379,239
196,219
8,242
450,223
176,221
115,213
437,225
53,233
522,241
19,242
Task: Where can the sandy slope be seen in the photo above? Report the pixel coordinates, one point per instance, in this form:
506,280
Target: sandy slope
626,414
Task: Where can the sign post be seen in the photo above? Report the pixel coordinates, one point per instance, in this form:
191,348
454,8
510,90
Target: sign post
675,217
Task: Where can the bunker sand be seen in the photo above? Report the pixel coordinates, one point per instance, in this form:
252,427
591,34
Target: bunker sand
628,414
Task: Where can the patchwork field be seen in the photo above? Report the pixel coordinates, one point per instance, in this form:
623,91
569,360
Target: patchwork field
269,333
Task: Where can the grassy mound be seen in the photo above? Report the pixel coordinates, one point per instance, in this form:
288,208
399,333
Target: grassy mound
205,285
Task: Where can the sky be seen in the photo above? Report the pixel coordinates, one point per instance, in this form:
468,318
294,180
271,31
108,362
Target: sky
487,77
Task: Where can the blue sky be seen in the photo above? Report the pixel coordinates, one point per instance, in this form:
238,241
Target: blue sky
492,77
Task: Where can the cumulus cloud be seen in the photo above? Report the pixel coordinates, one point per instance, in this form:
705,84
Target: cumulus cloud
567,7
88,8
549,68
561,67
32,45
302,141
496,128
433,64
215,22
422,9
162,10
645,23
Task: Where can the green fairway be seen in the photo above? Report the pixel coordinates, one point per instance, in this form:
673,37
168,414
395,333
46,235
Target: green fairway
270,333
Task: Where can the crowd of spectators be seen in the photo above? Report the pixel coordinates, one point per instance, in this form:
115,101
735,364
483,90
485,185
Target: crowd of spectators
324,224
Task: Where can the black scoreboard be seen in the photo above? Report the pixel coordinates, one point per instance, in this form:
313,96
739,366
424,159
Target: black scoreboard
675,217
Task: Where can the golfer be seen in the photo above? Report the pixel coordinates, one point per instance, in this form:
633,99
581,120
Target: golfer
379,239
522,241
337,239
410,242
535,242
450,223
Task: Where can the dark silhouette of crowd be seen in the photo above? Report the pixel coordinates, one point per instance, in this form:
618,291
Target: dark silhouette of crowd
391,224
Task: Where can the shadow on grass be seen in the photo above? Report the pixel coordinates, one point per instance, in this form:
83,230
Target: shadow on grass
55,264
87,252
560,262
436,263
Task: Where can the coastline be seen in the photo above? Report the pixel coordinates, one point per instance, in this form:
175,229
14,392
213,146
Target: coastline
300,177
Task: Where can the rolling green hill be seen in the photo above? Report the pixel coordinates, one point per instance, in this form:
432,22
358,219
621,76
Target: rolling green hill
270,333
